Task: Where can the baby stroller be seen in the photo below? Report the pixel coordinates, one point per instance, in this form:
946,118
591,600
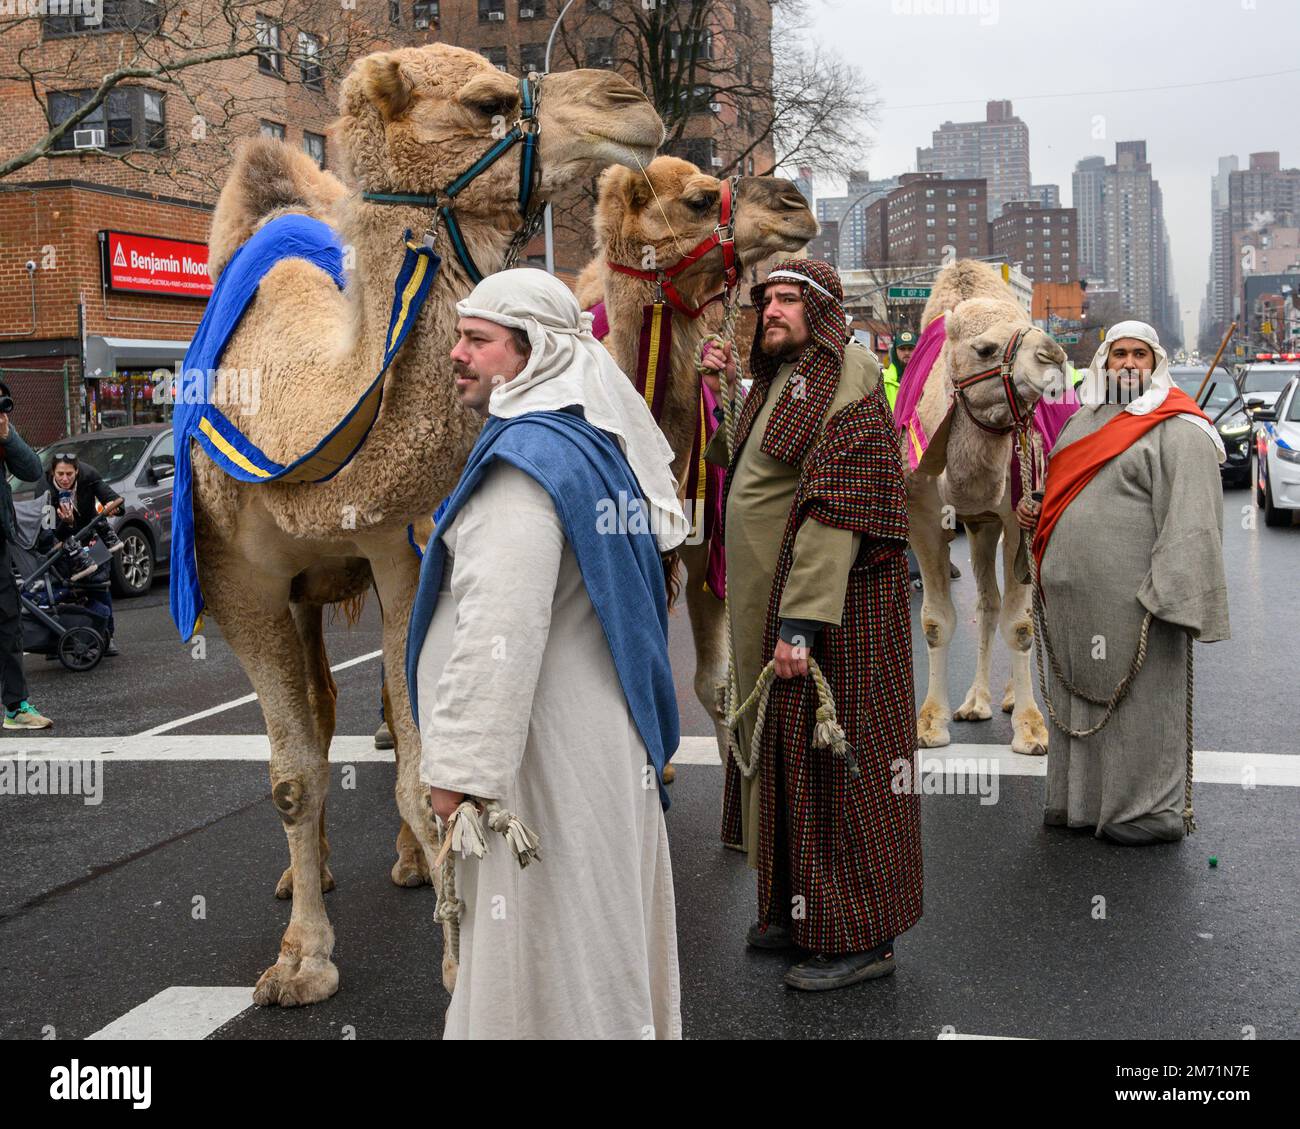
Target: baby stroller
55,593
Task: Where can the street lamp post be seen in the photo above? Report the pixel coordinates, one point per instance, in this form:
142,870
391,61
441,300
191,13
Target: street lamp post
547,226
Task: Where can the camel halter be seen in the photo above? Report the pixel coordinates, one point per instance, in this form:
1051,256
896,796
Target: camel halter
723,235
1005,372
525,130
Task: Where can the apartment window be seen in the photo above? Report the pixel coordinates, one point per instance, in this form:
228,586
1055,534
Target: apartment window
425,14
600,51
130,118
116,15
532,57
271,129
395,12
1029,243
313,144
1048,244
309,60
972,192
971,207
270,60
952,207
532,9
600,5
491,11
929,223
929,207
929,193
496,56
952,192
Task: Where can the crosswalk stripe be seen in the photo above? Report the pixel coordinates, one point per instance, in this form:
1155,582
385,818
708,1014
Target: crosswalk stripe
179,1013
1212,767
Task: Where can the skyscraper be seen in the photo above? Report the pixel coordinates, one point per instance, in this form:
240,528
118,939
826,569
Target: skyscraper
995,150
1218,292
1089,183
861,192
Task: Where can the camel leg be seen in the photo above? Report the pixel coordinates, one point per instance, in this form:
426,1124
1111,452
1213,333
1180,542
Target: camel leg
1029,730
411,868
253,610
930,544
708,629
322,694
397,572
984,555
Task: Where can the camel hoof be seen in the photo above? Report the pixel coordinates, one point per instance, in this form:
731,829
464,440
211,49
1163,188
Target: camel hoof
296,984
1030,738
284,888
410,871
974,708
932,736
670,773
1008,703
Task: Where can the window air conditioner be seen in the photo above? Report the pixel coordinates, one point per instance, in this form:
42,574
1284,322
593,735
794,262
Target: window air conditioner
716,107
87,138
421,22
716,162
607,60
525,13
496,15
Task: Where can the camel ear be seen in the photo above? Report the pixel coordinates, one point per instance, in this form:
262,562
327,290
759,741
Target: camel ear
952,326
629,186
387,85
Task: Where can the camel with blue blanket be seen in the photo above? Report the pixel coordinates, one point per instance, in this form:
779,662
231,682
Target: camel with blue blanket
337,297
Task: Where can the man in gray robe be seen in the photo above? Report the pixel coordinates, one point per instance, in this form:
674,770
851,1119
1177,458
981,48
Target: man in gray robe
1130,525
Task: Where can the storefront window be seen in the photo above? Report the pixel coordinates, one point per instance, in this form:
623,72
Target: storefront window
127,397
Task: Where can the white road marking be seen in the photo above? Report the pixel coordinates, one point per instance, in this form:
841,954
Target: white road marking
170,725
179,1013
959,1035
1269,769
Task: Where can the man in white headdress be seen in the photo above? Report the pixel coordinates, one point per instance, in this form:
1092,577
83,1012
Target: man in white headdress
538,667
1129,532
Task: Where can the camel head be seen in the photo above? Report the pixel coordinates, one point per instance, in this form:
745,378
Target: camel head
413,119
659,215
978,331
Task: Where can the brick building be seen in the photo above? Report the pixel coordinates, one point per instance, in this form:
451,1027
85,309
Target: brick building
923,217
996,150
82,341
1044,240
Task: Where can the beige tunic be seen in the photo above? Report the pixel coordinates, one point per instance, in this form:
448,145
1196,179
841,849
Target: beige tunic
758,506
520,701
1144,535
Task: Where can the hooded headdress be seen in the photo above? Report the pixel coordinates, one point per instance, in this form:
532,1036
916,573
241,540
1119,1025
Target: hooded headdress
801,407
1092,389
569,367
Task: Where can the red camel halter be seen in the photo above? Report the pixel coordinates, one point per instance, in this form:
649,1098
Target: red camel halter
1004,371
723,235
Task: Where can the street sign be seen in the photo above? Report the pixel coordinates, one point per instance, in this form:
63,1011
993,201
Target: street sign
1067,338
907,293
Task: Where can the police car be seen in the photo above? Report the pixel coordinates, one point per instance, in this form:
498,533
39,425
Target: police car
1277,455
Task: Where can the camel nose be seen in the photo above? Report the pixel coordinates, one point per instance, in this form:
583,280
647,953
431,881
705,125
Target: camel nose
793,201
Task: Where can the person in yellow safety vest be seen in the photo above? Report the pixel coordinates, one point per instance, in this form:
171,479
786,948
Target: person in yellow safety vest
900,352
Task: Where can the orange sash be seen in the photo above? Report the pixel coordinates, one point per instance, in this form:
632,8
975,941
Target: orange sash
1073,467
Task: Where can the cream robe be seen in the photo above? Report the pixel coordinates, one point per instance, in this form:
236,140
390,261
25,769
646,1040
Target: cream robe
520,702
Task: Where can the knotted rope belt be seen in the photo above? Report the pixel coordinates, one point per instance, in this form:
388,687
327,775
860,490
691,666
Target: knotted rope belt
463,832
1112,703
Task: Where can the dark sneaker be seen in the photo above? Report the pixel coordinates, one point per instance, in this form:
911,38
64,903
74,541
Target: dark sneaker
773,937
26,716
822,973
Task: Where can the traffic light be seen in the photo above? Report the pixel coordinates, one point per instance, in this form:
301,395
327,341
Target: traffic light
1006,272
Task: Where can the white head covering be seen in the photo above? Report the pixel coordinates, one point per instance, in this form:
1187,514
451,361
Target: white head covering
1092,390
569,366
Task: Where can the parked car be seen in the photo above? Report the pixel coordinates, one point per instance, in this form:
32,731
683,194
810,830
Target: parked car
139,463
1277,456
1222,403
1263,378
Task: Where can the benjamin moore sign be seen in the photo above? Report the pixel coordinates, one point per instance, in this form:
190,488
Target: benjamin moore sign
147,264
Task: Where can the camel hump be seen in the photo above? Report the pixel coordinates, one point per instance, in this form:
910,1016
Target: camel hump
267,178
963,279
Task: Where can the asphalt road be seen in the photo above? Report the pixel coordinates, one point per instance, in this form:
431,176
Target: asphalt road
97,903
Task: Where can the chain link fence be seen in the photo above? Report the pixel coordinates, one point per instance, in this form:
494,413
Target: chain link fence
47,406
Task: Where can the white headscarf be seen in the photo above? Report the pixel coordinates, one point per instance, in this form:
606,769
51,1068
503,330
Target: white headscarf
567,367
1092,390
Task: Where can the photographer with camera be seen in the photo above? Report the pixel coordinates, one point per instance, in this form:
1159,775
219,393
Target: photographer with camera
19,460
74,491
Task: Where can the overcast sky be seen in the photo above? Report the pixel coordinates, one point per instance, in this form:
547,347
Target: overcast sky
1071,68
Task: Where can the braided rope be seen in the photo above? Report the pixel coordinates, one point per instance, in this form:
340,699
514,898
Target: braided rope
1029,448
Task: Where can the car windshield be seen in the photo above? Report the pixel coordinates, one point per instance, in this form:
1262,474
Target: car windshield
1293,414
113,456
1221,391
1266,378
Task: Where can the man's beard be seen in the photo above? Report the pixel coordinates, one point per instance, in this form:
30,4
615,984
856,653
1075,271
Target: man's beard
1123,389
786,351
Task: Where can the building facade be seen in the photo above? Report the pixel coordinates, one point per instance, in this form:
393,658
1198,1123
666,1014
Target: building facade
1089,189
849,214
928,219
1043,240
995,150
